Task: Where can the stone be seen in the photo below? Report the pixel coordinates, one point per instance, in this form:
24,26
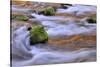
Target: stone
65,6
49,11
91,20
38,35
34,21
19,17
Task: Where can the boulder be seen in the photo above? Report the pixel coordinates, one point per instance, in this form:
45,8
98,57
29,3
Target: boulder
48,11
38,35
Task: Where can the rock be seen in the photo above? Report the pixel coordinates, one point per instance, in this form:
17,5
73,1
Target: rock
38,35
91,20
65,6
19,17
23,18
74,42
24,4
34,21
48,11
16,24
29,28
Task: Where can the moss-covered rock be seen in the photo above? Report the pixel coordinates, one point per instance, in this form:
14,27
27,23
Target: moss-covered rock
49,11
20,17
91,20
38,35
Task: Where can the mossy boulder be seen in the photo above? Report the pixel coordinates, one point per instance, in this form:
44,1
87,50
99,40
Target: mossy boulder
48,11
20,17
38,35
91,20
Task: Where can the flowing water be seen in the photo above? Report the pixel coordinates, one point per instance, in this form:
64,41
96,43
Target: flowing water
78,10
56,26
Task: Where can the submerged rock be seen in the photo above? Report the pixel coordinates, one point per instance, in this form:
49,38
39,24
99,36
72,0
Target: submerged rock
38,35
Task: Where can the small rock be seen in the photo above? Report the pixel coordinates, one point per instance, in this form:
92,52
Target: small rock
65,6
19,17
91,20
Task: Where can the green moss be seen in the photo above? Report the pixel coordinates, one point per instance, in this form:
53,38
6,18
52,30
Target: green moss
91,20
38,35
20,17
49,11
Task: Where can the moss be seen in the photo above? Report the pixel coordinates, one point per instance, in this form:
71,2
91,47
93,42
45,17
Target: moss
49,11
20,17
91,20
38,35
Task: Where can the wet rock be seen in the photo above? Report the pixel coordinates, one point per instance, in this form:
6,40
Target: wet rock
65,6
74,42
19,17
38,35
16,24
34,21
91,20
23,3
49,11
23,18
29,28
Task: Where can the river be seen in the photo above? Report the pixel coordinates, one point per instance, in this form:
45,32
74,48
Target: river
56,27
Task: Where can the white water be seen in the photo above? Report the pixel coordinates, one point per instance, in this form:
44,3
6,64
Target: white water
61,28
77,10
24,54
50,18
